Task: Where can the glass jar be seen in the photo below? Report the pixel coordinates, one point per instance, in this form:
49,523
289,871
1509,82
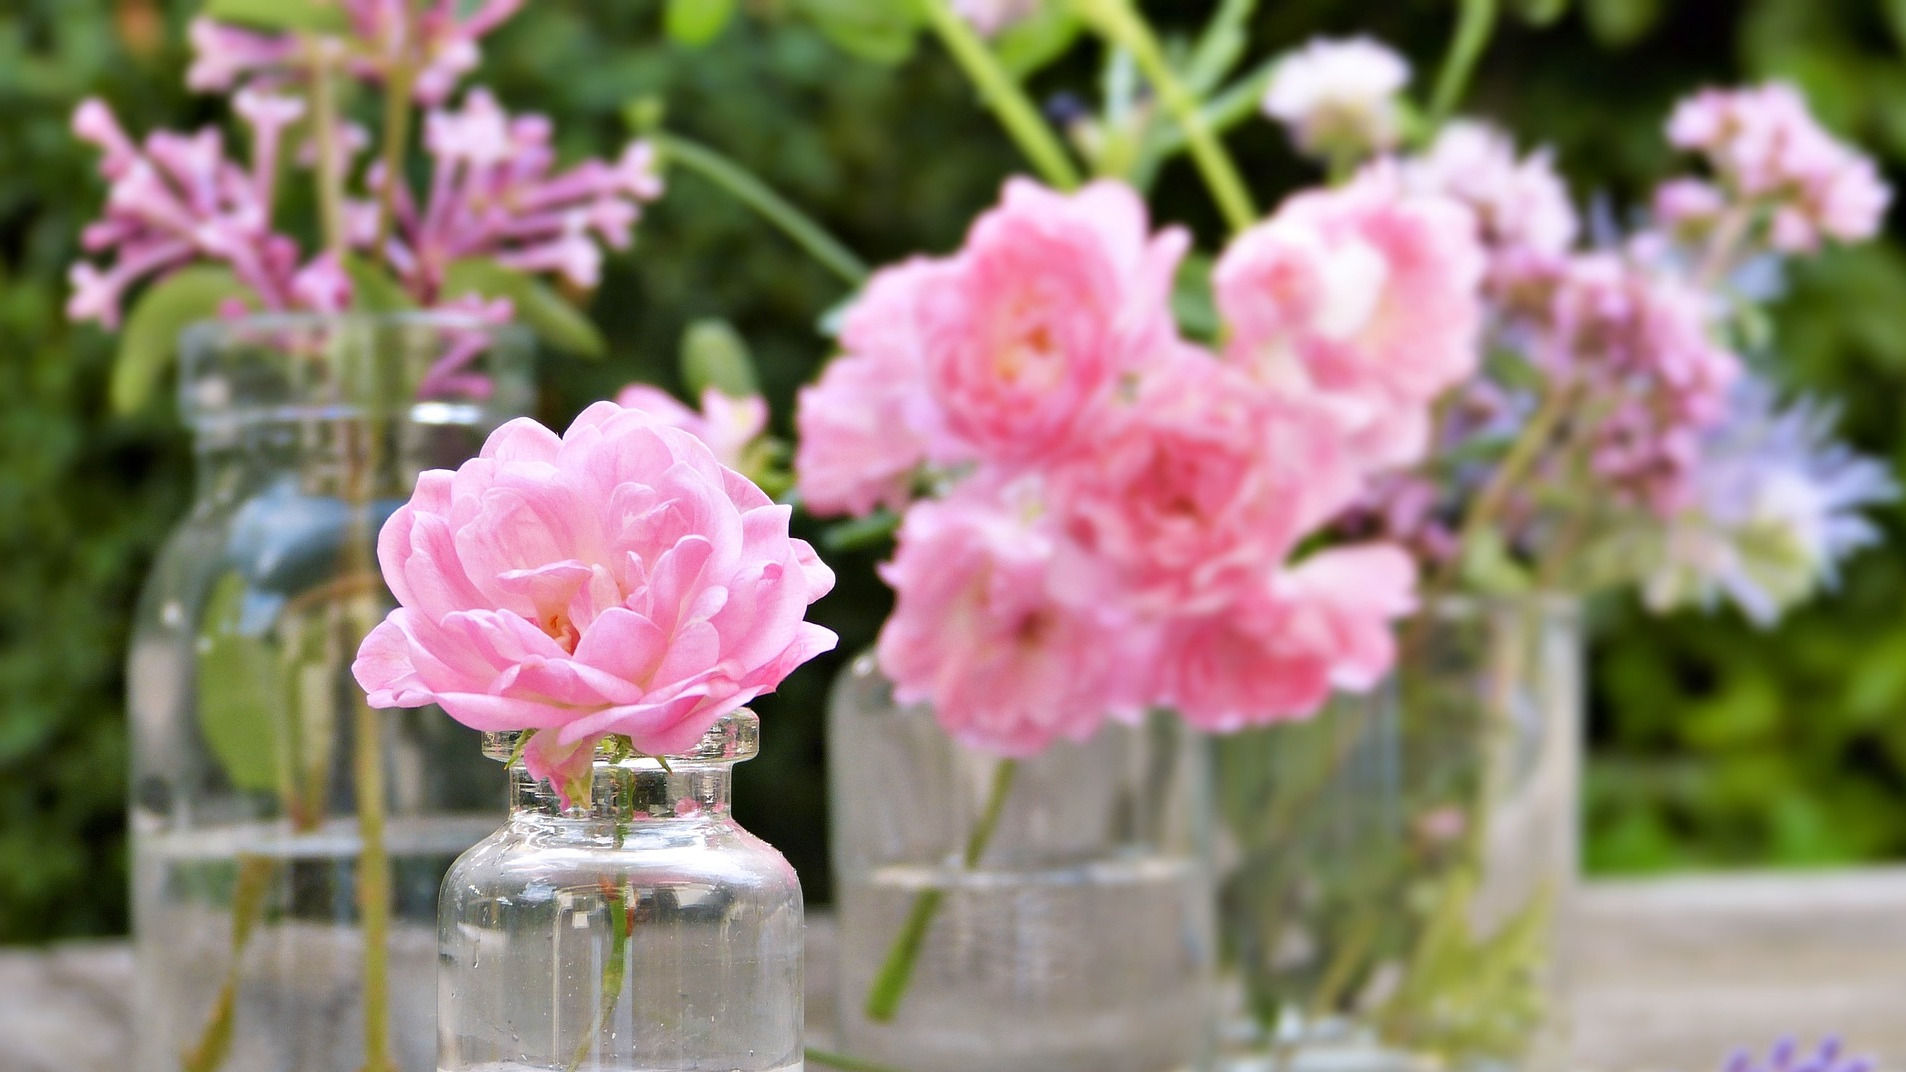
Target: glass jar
287,841
1399,863
1060,910
642,930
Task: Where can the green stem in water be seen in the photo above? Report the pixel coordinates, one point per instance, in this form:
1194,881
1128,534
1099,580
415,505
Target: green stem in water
896,974
373,889
1475,24
744,187
1004,95
844,1063
1120,24
614,969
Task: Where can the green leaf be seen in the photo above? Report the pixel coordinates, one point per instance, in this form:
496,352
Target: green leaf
1223,43
546,312
372,288
1192,300
715,355
1540,12
240,686
313,16
1031,44
880,31
697,22
1489,567
151,335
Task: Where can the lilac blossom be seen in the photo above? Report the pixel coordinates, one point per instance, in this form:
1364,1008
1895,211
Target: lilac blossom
1772,159
439,43
1519,202
1786,1056
1776,505
992,16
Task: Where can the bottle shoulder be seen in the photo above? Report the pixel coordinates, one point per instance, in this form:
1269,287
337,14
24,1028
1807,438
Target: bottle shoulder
706,853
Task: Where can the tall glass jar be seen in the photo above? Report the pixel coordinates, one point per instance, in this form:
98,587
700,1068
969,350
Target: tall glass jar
1070,910
642,930
1398,864
287,841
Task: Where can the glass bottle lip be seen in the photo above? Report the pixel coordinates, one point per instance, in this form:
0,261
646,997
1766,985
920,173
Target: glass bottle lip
247,370
733,739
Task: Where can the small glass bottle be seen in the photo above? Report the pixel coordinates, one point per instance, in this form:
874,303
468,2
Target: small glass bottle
641,930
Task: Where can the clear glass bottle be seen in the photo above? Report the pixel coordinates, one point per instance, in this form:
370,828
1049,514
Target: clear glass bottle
287,842
1401,861
642,930
1081,938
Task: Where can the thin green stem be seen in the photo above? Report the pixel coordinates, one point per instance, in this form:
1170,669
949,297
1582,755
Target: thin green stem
844,1063
1120,24
1475,24
325,125
614,970
373,889
397,119
1004,95
744,187
896,973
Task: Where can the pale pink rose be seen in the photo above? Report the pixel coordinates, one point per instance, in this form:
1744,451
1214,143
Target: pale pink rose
1338,97
1208,479
1053,298
616,580
978,632
1367,298
869,424
1280,652
728,425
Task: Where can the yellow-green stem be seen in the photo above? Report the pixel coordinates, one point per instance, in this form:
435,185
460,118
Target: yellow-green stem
330,172
896,973
1475,24
1004,95
1118,22
373,888
398,83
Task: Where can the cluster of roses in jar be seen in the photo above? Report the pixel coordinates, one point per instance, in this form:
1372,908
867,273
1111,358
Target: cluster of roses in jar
1101,516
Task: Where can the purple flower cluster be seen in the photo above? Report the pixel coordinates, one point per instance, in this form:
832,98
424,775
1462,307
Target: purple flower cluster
495,190
1771,160
1786,1056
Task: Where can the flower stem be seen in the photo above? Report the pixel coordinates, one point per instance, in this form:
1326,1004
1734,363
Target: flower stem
398,83
1475,24
1120,24
373,889
896,974
844,1063
324,124
1004,95
744,187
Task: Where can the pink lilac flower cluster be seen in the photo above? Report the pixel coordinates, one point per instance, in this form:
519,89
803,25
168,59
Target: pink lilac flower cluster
437,40
616,580
1101,517
1771,160
494,190
990,17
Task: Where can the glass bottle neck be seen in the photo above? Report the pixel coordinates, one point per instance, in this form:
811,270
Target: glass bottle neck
629,792
348,457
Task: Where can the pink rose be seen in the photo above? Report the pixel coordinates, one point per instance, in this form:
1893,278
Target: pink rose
616,580
1279,654
728,425
868,425
978,632
1366,297
1053,298
1206,481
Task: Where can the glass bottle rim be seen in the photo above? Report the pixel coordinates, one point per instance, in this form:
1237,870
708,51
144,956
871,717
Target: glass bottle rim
735,737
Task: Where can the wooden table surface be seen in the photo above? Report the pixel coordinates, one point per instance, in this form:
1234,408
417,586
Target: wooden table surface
1666,975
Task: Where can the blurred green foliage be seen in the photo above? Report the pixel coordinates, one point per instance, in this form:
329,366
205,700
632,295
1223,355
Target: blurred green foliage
1717,744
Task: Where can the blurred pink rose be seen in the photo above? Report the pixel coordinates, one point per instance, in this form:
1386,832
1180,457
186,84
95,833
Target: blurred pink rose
1206,481
867,426
1052,299
978,632
728,425
617,580
1278,655
1367,298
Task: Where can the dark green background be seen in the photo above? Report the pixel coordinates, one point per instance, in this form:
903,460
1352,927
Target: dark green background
1715,744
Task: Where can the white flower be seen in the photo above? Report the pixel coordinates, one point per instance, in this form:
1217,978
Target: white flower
1338,96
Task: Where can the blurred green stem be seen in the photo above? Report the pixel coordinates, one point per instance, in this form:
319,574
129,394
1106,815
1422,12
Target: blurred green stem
1004,95
1475,24
844,1063
743,186
324,133
1119,23
896,974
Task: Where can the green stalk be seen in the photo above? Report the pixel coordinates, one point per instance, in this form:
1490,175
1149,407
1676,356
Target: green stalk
397,119
844,1063
614,970
1004,95
896,974
744,187
1120,24
324,122
373,889
1475,24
